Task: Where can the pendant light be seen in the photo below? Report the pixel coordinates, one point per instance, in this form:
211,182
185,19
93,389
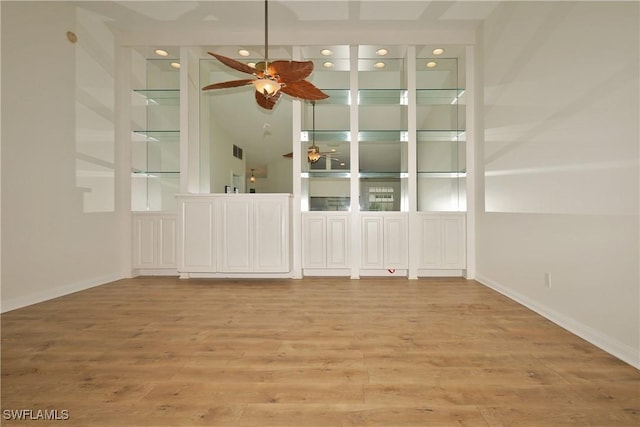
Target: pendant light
313,153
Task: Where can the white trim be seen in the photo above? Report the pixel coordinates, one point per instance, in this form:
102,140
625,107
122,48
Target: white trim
37,297
612,346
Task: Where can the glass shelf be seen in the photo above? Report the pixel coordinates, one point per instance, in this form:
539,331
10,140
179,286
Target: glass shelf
441,135
336,97
158,135
160,96
325,135
383,97
443,174
383,136
331,173
440,96
153,174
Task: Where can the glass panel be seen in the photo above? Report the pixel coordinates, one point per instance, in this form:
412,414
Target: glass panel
326,182
154,191
440,151
382,134
155,142
232,122
326,193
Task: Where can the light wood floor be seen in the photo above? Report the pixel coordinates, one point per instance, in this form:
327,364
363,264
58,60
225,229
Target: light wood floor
315,352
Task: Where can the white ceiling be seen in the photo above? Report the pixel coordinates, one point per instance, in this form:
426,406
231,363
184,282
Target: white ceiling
223,26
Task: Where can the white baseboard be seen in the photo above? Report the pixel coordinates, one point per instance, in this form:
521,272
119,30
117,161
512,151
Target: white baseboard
614,347
36,297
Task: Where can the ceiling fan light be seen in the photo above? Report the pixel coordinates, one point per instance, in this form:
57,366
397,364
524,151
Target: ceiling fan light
266,86
313,154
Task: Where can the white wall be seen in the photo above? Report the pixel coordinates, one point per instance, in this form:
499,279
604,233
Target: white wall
559,196
57,140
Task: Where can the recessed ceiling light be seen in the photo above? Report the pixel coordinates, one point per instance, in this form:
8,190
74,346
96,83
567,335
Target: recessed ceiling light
431,64
161,52
438,51
382,52
326,52
175,64
243,52
328,64
333,150
251,64
379,65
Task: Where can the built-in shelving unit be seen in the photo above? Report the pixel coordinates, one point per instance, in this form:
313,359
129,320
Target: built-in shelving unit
155,166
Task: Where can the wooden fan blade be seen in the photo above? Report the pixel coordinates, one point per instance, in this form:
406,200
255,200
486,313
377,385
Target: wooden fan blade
232,83
289,155
236,65
303,90
267,102
290,71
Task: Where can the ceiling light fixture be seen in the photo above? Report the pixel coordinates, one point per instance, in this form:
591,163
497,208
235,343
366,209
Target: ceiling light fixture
175,64
431,64
382,52
379,65
438,51
272,78
313,153
161,52
252,178
326,52
243,52
328,64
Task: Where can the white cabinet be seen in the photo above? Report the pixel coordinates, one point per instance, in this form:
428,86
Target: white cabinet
384,241
326,240
237,234
441,241
154,241
196,240
253,234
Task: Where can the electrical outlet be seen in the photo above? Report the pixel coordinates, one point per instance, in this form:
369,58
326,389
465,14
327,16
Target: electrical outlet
547,280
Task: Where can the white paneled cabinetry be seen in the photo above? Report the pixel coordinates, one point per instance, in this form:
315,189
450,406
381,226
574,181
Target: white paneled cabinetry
234,235
154,242
441,241
326,237
384,241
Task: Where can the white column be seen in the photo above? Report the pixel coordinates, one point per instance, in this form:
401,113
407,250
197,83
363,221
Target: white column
471,160
296,216
355,163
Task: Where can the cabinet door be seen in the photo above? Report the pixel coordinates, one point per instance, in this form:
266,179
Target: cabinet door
166,231
234,225
453,242
314,238
337,242
197,246
271,235
372,242
395,242
429,253
144,242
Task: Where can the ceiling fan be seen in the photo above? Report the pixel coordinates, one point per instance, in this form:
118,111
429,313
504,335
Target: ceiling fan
313,152
271,79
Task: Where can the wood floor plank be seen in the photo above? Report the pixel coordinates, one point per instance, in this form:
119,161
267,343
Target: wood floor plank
160,351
